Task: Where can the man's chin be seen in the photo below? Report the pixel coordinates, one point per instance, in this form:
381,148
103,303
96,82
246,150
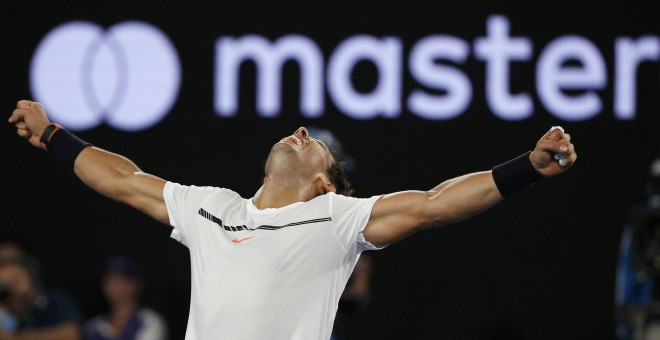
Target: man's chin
283,146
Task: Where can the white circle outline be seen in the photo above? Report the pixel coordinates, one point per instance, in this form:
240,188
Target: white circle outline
147,75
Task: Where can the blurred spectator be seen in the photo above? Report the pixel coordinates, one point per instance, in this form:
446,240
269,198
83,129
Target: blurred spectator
37,315
126,320
11,246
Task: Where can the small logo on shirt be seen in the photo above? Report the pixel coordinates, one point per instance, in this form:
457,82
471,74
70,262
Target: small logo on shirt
239,240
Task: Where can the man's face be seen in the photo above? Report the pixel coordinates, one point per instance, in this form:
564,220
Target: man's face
300,155
20,285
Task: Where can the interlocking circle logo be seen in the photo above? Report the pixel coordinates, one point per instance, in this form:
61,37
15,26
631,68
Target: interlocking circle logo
127,76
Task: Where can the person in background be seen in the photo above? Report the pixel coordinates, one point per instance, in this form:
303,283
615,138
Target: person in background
39,315
12,246
127,319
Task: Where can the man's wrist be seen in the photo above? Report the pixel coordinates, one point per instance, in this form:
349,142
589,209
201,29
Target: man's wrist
65,147
47,134
515,175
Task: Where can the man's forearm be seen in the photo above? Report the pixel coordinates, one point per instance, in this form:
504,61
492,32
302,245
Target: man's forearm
104,171
117,177
464,196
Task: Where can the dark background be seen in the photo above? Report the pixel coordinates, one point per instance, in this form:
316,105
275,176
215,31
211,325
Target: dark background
542,263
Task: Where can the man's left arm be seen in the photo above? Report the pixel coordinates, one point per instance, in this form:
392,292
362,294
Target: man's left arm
398,215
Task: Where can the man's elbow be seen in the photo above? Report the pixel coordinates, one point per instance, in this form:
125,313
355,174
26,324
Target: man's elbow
118,188
436,215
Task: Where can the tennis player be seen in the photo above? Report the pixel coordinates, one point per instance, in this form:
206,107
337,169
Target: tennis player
273,266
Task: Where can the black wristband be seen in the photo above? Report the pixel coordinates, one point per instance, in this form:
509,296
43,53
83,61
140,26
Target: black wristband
45,135
515,175
65,147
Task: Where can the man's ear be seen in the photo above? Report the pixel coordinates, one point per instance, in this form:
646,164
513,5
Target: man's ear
324,186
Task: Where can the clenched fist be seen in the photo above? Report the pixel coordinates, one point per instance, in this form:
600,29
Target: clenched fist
30,120
553,142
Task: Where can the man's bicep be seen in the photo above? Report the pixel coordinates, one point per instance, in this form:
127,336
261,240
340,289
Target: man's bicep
117,177
397,216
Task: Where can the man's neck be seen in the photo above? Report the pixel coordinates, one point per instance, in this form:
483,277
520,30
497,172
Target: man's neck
277,194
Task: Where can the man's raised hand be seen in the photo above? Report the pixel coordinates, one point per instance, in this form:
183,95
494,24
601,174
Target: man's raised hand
554,141
30,120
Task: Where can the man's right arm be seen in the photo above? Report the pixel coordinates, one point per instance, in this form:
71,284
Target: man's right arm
117,177
107,173
399,215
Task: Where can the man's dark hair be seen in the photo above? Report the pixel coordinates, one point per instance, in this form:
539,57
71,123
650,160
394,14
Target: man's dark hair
338,176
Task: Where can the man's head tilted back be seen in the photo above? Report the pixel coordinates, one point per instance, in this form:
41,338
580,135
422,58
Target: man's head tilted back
301,162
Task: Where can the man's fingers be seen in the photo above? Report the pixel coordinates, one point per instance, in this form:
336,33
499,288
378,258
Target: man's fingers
24,133
568,161
553,152
563,147
556,141
552,134
556,135
552,146
22,108
30,120
24,104
547,134
17,115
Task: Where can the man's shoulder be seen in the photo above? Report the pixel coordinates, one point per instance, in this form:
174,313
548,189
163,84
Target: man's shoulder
333,197
200,190
341,204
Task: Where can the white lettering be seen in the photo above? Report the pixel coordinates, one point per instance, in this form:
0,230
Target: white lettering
269,58
497,49
629,54
424,69
552,76
385,99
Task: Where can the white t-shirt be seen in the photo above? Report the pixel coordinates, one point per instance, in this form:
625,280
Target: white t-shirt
266,274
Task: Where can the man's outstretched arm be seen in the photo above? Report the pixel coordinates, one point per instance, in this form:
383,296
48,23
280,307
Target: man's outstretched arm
398,215
109,174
